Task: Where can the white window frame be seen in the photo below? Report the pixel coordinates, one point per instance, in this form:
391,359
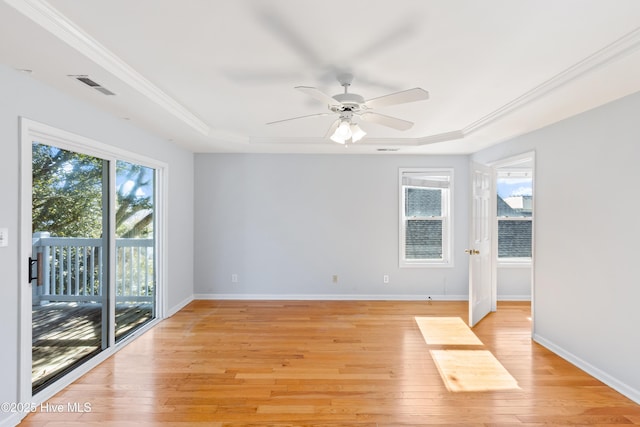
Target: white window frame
446,217
515,261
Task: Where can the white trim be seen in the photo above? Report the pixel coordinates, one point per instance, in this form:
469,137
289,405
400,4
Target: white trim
111,296
29,131
176,308
513,264
330,297
162,239
25,290
514,298
81,144
12,420
45,15
597,373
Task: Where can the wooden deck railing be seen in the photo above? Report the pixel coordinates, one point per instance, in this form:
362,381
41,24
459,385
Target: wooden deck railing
72,269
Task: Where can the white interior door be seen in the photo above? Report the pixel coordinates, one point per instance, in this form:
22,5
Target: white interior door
480,266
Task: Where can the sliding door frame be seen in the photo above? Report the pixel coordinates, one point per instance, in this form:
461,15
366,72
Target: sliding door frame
34,131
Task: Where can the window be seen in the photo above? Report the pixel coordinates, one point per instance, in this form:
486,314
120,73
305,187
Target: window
425,217
515,203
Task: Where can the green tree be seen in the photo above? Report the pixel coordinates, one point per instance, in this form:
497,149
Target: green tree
134,214
68,196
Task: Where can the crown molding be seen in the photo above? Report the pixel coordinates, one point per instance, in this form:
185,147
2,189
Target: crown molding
440,137
45,15
397,142
608,54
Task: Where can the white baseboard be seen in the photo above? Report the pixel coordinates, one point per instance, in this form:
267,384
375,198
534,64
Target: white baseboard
330,297
612,382
514,297
12,420
176,308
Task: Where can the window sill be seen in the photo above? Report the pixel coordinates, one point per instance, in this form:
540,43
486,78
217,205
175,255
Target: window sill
514,264
405,264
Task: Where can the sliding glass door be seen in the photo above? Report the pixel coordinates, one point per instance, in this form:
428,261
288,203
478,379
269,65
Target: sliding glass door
93,262
70,222
135,243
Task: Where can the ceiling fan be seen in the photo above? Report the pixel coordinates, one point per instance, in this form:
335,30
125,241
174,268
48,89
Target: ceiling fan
351,105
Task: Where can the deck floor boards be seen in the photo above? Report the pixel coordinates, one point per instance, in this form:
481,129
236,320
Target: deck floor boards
65,333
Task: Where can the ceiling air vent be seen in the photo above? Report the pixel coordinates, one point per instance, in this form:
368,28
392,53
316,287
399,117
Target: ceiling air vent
86,80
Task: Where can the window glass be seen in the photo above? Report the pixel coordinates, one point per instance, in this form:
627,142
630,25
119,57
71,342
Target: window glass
514,239
423,239
515,203
423,202
425,223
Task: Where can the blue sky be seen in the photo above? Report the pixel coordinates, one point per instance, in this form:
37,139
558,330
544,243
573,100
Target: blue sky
514,187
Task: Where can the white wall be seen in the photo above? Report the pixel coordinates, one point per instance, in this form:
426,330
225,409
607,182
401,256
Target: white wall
23,96
285,224
514,283
587,272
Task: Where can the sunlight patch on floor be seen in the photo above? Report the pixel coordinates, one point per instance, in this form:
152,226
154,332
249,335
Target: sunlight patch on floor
446,331
472,370
466,366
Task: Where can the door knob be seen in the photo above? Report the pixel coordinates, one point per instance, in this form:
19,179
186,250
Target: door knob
472,251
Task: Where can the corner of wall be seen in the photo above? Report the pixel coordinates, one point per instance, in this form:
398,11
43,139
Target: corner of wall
599,374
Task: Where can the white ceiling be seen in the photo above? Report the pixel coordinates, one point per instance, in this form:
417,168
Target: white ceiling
209,74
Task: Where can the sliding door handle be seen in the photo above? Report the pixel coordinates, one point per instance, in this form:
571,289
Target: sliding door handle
38,263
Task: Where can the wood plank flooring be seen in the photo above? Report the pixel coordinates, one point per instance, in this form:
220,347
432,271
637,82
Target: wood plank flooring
336,363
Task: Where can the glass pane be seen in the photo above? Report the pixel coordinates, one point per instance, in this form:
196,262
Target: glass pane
515,196
69,298
423,202
135,247
514,239
423,239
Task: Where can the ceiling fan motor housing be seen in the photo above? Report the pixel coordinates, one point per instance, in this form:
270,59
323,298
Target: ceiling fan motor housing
348,101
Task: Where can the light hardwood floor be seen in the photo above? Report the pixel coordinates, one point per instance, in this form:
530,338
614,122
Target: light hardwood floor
338,363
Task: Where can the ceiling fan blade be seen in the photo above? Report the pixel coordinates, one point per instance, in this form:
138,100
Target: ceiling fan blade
388,121
333,128
317,94
300,117
410,95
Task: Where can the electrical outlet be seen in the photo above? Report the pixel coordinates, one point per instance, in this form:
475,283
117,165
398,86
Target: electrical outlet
4,237
234,278
334,278
385,278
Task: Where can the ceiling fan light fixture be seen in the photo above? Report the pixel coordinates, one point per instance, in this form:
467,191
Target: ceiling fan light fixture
356,132
342,132
337,139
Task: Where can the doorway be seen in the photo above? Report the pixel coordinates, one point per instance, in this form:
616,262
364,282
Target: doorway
91,233
502,202
514,229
